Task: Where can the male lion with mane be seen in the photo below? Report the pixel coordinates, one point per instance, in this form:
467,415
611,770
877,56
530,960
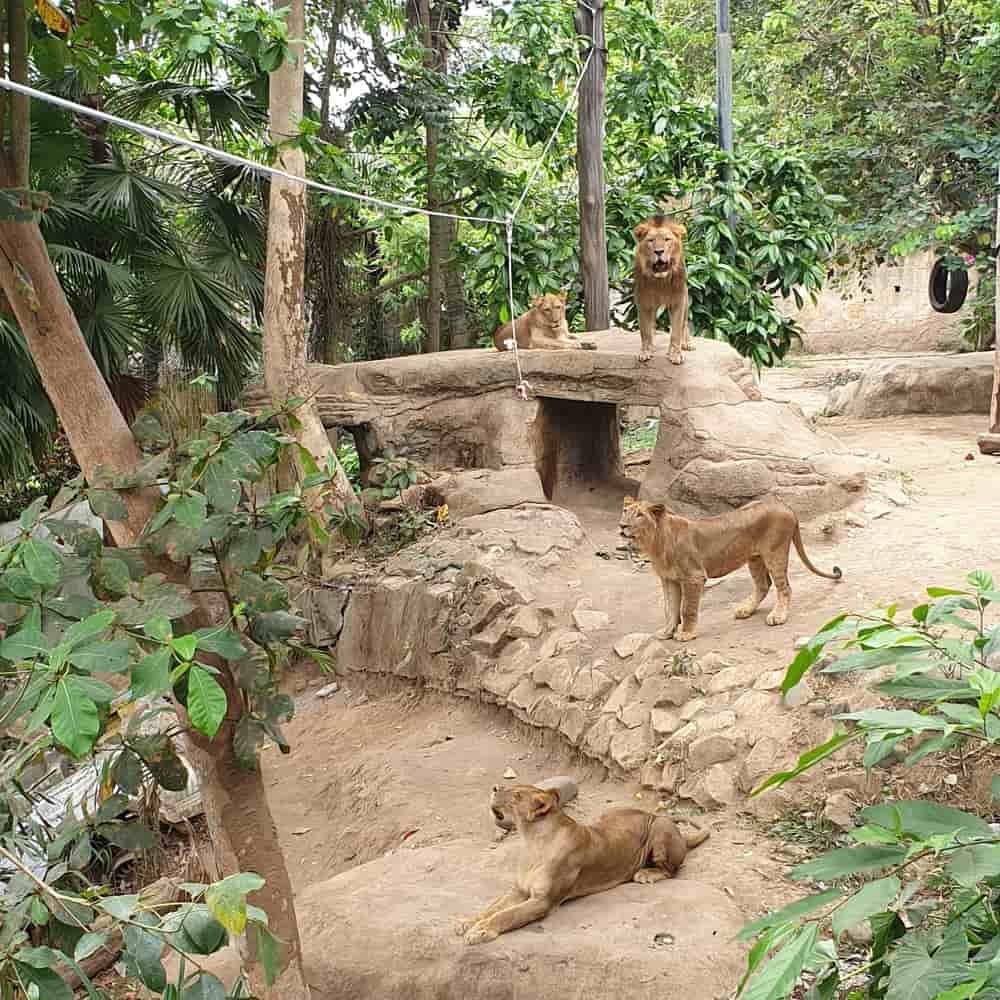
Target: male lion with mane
661,280
684,554
543,327
562,859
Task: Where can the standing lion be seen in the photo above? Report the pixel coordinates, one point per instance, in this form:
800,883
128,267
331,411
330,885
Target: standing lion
661,280
543,327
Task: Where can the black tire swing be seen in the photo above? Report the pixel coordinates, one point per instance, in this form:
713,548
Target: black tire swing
947,288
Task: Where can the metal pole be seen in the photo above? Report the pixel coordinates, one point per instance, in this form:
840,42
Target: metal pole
724,86
989,443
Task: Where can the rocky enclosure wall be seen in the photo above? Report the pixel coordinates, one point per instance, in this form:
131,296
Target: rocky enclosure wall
465,612
720,444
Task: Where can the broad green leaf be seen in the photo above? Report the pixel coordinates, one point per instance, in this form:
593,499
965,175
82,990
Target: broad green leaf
228,900
204,987
920,971
127,773
102,657
39,912
27,643
965,991
848,861
222,642
800,908
194,929
120,907
128,836
159,628
807,760
925,819
90,628
945,592
88,687
41,712
111,575
38,958
775,980
151,675
884,718
923,688
870,659
980,579
206,701
89,944
75,722
190,511
142,956
874,897
51,986
29,516
276,626
269,953
107,505
247,736
968,866
222,485
185,646
41,562
148,432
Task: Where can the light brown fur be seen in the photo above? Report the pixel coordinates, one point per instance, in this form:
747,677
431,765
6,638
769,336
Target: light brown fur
543,327
684,554
562,859
661,280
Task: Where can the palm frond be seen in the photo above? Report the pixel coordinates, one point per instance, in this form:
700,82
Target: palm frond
80,268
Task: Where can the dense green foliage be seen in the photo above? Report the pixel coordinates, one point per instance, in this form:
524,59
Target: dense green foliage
933,909
78,612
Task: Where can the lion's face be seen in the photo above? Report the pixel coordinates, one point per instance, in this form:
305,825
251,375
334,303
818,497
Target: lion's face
552,308
639,521
659,250
521,804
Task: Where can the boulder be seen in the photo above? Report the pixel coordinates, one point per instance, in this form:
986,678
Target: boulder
719,445
941,383
387,929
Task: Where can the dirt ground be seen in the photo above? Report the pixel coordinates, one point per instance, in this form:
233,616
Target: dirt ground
372,773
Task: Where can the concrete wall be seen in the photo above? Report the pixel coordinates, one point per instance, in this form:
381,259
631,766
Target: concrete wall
890,313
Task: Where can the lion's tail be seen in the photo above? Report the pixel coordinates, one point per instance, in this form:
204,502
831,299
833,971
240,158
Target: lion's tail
800,548
694,839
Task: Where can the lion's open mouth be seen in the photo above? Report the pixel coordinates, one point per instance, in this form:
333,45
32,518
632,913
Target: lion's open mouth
660,267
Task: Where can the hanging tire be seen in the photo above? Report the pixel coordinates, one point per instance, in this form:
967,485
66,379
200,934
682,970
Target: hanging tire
947,289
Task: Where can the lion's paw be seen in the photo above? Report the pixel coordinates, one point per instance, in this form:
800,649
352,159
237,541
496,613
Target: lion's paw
743,611
647,876
645,355
681,636
666,633
463,926
690,345
675,357
480,935
777,618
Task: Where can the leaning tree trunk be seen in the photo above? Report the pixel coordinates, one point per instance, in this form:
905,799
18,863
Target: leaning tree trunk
240,823
286,367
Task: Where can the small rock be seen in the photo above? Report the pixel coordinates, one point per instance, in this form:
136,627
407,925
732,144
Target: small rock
590,621
650,776
839,810
856,521
668,779
301,831
510,774
720,722
621,696
630,747
770,681
692,708
634,715
664,721
731,677
630,644
712,662
564,785
573,724
684,735
763,760
656,691
951,779
799,695
549,561
708,750
590,683
527,624
327,690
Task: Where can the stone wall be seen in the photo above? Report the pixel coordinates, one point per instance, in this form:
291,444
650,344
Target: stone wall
890,311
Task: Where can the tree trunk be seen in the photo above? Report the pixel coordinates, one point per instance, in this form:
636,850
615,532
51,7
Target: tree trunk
93,423
327,130
437,227
454,294
590,170
285,346
239,818
20,104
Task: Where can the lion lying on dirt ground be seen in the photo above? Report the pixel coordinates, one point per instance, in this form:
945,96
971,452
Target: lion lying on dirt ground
661,280
543,327
685,553
562,859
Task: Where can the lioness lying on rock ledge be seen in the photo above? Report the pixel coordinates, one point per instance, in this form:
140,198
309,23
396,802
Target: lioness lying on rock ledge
562,859
684,554
542,327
